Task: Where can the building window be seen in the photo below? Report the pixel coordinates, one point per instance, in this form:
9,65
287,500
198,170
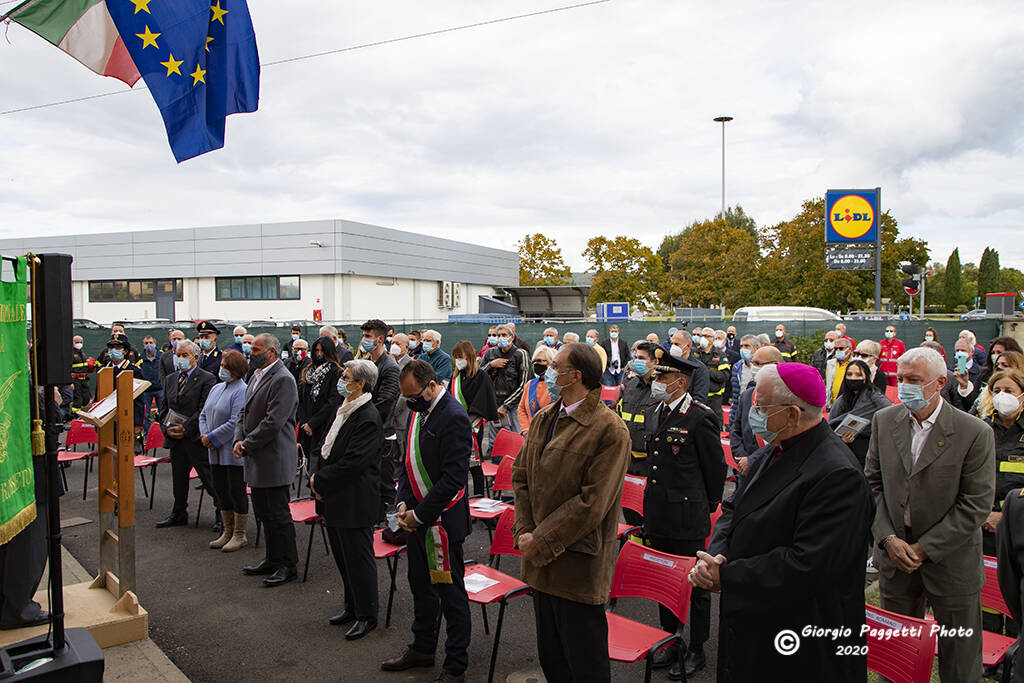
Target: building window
257,288
109,291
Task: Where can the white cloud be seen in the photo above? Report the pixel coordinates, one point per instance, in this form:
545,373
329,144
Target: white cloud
591,121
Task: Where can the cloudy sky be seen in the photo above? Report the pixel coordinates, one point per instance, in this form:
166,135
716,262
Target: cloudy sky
592,121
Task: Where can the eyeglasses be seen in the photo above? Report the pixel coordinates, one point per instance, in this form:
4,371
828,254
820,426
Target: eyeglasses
863,356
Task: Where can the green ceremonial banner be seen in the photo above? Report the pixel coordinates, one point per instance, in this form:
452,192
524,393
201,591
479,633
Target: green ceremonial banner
17,485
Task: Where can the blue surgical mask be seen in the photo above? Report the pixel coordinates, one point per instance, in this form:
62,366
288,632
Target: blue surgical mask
961,355
890,334
550,381
912,396
840,355
295,337
613,335
152,347
549,340
758,422
116,355
746,354
205,344
503,342
659,391
182,363
224,374
639,366
428,347
591,341
343,388
367,344
246,347
492,341
239,338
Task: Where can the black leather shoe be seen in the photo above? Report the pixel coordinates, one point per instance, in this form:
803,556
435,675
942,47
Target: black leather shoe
173,520
407,660
665,657
262,567
345,617
693,662
41,618
281,576
218,525
360,629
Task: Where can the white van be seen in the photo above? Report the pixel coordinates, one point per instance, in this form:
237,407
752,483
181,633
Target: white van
771,313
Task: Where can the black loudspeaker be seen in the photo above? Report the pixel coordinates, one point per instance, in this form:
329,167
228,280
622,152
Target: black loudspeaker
53,327
81,660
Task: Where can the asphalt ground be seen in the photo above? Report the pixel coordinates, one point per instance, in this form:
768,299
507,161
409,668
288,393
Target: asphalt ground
217,624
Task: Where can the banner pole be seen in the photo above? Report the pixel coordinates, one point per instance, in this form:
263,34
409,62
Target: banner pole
878,250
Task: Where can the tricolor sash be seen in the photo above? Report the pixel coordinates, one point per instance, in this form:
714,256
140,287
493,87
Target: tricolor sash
438,558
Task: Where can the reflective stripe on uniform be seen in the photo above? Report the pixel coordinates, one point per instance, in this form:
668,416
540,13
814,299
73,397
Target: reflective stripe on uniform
1007,466
639,454
720,392
633,417
724,366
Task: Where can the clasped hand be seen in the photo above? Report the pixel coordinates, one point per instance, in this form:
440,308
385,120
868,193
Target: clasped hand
908,557
406,519
706,573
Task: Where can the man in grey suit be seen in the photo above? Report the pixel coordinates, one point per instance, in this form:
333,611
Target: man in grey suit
265,437
931,468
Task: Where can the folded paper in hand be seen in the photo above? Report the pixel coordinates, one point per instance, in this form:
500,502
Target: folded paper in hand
174,418
852,424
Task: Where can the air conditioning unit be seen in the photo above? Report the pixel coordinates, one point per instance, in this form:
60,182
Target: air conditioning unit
444,294
456,295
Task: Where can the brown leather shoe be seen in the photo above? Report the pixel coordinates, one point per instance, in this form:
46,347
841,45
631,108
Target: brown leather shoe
446,677
407,660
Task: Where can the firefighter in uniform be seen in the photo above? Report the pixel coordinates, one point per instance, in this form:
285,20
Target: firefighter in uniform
633,403
719,375
1010,568
684,485
787,349
209,359
80,369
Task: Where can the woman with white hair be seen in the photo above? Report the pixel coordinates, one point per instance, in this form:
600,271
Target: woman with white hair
347,489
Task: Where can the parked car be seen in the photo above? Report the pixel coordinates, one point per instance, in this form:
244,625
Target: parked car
772,313
87,324
154,324
975,314
870,315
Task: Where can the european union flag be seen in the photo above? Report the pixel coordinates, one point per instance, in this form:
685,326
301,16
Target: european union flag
199,61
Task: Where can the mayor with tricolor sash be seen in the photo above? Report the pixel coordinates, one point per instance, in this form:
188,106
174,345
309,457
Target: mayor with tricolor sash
432,506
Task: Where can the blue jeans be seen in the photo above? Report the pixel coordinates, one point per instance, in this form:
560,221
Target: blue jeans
610,379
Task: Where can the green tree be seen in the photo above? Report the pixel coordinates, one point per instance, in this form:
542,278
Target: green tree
969,290
624,270
738,218
988,273
936,288
708,250
792,268
541,262
954,281
735,217
1011,280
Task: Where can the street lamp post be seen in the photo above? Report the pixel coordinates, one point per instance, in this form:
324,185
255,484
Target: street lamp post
723,120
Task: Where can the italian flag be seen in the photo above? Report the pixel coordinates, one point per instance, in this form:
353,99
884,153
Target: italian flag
83,29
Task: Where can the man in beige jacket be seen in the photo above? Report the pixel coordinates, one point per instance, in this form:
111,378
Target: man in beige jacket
568,484
931,468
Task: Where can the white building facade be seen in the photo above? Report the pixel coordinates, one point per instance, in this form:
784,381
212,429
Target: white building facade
347,271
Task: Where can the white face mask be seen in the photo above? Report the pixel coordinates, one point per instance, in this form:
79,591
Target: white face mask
829,345
78,346
461,363
1006,403
396,351
676,351
779,334
719,343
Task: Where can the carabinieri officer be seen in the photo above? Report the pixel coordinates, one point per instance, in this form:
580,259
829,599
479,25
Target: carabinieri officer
684,484
209,359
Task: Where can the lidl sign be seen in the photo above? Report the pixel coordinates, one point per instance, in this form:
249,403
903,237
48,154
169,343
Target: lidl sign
851,216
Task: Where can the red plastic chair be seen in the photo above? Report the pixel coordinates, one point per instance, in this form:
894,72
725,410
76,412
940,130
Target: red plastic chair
714,518
632,499
506,442
79,432
726,412
154,438
610,394
503,477
507,586
642,572
900,658
390,553
993,645
893,394
304,512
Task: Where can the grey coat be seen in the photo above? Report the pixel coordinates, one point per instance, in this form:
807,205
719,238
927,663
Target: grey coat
266,428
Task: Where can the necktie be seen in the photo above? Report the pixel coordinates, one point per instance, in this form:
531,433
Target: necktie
182,378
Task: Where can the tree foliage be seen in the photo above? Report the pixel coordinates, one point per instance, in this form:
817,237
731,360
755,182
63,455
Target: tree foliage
624,270
792,269
954,281
988,273
706,251
541,262
1011,280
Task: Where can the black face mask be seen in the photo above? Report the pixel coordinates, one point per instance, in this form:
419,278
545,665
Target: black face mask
731,336
539,369
856,384
258,360
418,404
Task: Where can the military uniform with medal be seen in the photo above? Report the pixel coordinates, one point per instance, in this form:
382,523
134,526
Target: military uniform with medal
684,484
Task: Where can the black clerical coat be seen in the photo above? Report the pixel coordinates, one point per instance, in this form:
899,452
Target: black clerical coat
794,536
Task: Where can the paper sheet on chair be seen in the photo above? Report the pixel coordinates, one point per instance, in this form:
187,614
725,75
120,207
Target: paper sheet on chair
487,504
478,582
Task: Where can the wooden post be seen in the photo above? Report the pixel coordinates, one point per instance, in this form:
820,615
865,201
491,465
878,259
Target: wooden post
105,476
125,484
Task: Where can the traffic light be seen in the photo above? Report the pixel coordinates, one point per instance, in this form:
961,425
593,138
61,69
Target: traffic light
912,284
